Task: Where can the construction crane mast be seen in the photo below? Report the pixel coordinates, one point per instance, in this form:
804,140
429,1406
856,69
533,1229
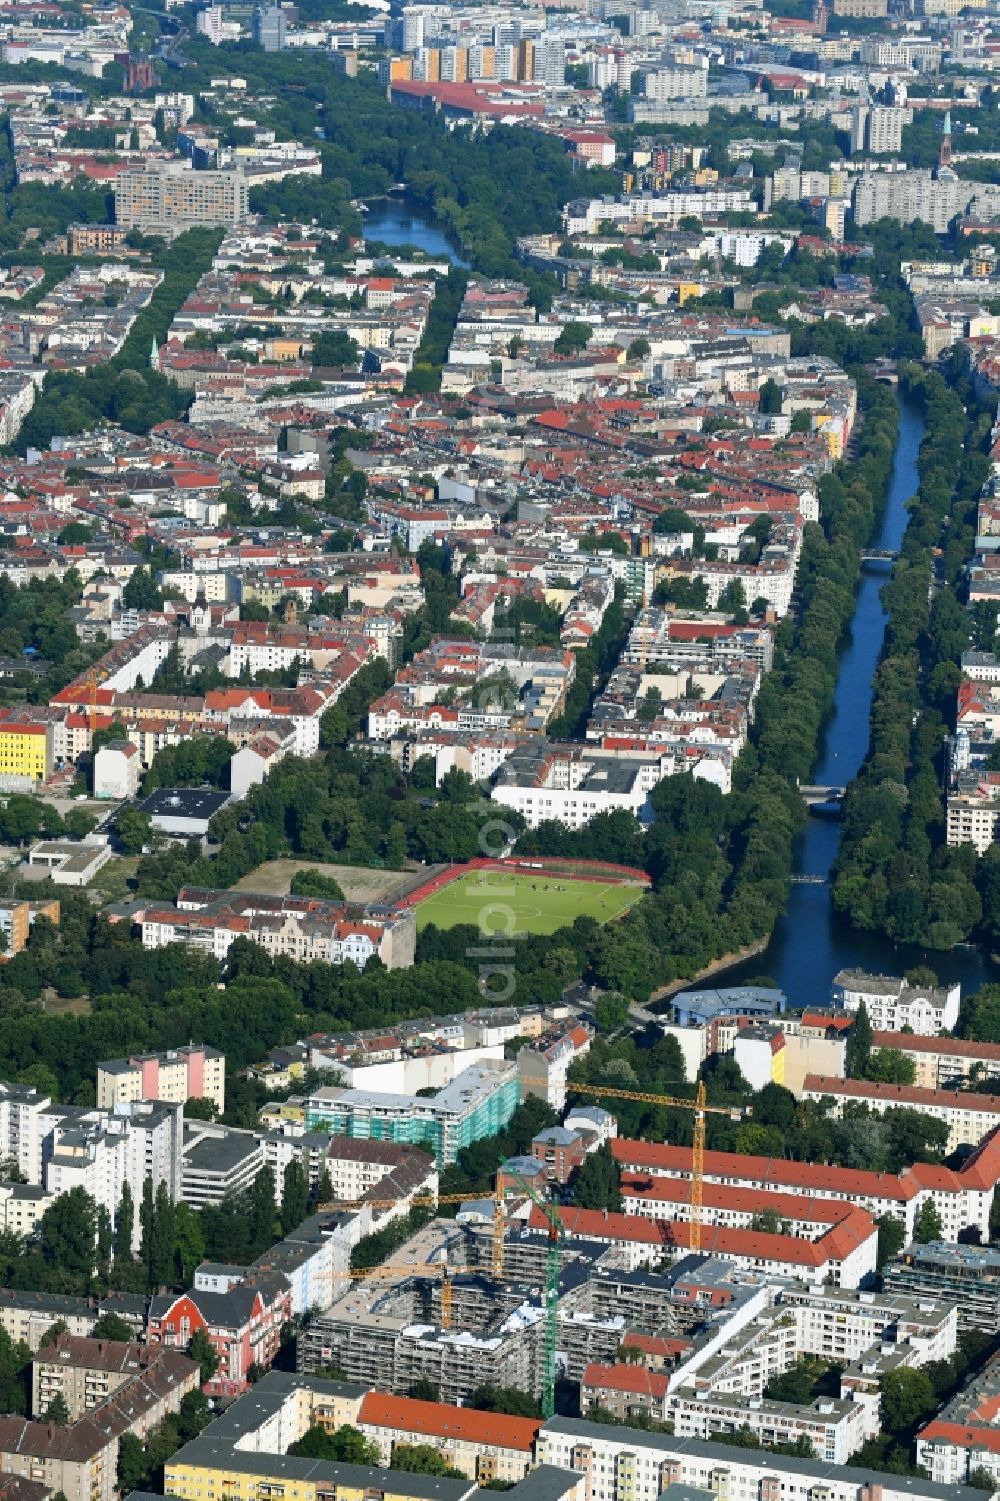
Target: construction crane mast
550,1297
701,1109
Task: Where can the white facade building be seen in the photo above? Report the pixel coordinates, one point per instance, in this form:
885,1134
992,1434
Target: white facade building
894,1004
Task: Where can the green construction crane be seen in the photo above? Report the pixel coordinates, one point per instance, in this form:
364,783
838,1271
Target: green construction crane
550,1303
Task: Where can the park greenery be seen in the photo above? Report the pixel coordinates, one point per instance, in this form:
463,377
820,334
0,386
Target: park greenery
894,873
125,389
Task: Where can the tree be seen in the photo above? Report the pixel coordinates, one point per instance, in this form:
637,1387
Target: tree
907,1396
891,1237
194,1415
639,349
573,338
261,1209
928,1225
134,830
200,1108
733,601
424,1391
794,1385
611,1012
189,1243
132,1468
766,1223
294,1196
140,592
774,1106
67,1234
335,348
507,1399
770,397
57,1411
890,1066
597,1184
857,1053
201,1349
324,1188
147,1211
110,1326
161,1251
347,1445
316,883
422,1459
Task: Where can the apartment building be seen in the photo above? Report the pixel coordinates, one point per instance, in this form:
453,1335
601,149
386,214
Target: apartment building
307,929
80,1459
23,1128
969,1117
243,1323
878,129
86,1373
167,198
543,1065
217,1161
619,1463
27,756
843,1254
546,780
17,920
102,1152
357,1165
479,1102
243,1454
915,195
943,1062
966,1276
963,1198
834,1428
894,1004
28,1316
176,1076
22,1206
974,813
484,1446
962,1436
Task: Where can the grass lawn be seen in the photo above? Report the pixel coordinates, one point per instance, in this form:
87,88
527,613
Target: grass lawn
359,883
541,903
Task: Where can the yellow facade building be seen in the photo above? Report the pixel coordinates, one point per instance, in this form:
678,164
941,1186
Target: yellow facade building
25,751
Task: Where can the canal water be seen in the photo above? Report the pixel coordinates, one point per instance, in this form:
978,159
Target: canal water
393,223
810,944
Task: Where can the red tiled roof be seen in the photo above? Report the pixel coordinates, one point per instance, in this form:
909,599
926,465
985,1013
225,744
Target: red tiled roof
637,1380
439,1420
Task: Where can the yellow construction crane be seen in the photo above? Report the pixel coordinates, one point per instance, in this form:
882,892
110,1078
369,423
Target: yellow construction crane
701,1109
432,1201
387,1272
92,684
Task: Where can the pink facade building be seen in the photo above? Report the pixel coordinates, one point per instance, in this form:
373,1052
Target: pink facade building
174,1077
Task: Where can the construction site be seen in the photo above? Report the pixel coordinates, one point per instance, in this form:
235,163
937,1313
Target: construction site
504,1296
392,1327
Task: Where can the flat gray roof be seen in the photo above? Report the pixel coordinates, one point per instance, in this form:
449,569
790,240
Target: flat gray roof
723,1453
211,1453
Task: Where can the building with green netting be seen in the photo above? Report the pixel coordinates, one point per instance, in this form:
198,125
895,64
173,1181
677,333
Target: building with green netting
478,1103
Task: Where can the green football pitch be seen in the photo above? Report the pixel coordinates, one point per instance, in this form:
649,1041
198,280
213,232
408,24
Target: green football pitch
541,903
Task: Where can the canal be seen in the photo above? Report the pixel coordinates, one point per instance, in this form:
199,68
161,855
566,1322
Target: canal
810,944
392,222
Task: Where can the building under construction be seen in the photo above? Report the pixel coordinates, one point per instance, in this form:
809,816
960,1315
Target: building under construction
388,1329
501,1303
